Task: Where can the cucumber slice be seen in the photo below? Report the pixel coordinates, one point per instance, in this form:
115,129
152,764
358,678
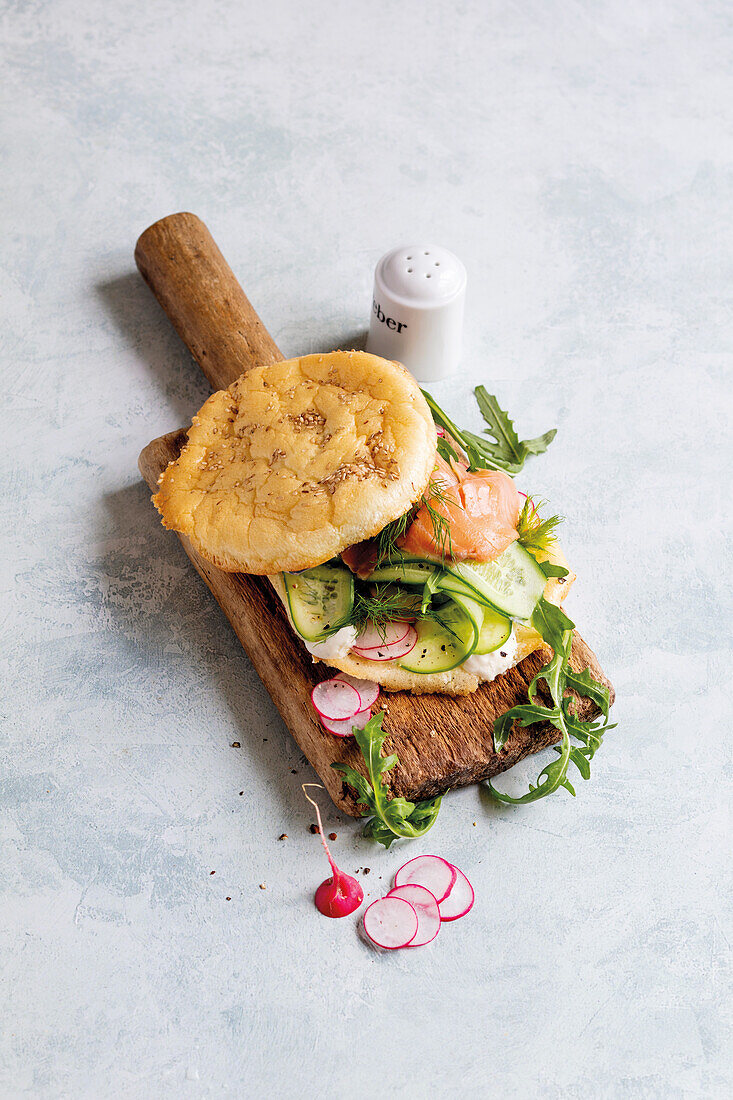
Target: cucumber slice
473,611
320,600
441,644
494,631
512,584
406,570
456,586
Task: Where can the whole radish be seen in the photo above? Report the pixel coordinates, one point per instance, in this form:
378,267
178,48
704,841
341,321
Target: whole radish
340,894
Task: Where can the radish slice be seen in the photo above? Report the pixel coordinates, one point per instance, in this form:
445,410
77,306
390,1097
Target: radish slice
435,874
391,652
371,638
336,700
426,907
459,900
368,689
391,923
346,728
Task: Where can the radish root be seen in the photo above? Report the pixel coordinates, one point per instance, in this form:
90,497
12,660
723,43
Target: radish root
314,804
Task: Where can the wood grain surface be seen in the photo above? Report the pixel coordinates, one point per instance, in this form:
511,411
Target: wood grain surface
442,742
179,260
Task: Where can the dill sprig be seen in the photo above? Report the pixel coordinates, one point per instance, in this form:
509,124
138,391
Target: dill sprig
535,533
438,520
384,604
389,536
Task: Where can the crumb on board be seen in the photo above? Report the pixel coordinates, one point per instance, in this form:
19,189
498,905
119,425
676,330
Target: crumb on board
283,836
333,836
236,744
314,829
263,886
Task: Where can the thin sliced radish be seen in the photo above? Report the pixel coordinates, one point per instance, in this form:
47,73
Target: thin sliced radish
391,923
426,907
336,700
371,638
434,873
391,652
459,900
346,728
368,689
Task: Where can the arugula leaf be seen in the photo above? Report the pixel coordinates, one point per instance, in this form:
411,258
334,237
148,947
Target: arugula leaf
445,450
551,570
506,441
556,629
504,450
540,443
507,448
473,454
429,588
526,714
393,817
552,624
584,684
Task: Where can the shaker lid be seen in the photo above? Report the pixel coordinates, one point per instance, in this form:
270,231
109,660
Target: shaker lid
421,275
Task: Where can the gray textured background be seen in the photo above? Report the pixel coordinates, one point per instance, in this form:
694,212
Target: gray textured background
579,158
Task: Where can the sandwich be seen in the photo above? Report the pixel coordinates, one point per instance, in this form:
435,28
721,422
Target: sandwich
400,546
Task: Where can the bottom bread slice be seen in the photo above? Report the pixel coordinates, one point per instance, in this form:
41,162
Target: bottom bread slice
457,681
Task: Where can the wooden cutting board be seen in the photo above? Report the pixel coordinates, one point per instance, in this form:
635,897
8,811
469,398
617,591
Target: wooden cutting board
442,742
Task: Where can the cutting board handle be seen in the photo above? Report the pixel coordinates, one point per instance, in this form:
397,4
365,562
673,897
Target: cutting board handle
179,260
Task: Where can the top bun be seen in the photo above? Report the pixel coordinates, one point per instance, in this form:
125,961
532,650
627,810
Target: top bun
298,460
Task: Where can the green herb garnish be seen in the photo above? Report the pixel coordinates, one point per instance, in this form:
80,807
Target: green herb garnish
556,629
505,445
536,533
383,605
503,450
393,818
389,536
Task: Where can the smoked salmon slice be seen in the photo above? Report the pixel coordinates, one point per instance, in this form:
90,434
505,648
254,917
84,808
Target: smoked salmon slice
361,558
481,508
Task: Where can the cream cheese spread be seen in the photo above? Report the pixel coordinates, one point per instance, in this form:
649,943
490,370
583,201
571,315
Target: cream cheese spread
487,666
338,645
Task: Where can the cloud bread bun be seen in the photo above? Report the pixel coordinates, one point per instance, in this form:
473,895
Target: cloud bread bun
457,681
298,460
